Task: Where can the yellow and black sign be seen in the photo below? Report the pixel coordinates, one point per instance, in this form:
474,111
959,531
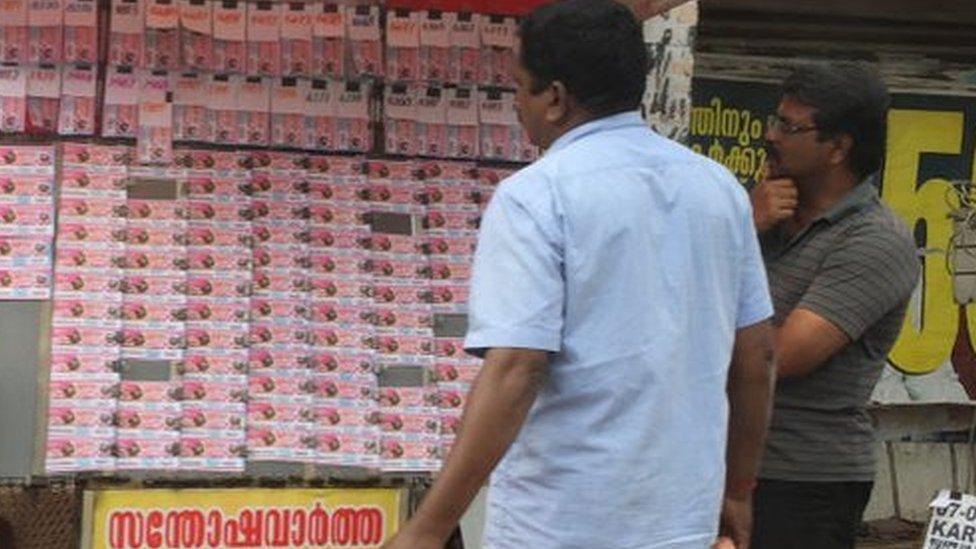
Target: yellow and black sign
244,518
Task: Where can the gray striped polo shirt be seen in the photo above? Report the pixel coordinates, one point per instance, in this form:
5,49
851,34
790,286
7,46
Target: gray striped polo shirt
856,267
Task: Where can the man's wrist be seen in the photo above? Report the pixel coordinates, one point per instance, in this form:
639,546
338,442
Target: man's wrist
760,226
760,221
740,488
426,527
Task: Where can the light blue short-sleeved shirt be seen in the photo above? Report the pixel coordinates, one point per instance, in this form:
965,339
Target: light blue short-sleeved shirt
633,261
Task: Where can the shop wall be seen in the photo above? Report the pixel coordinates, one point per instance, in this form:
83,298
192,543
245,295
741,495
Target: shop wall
21,332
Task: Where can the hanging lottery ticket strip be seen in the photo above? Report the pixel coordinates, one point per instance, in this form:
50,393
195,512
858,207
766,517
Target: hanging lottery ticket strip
316,76
27,183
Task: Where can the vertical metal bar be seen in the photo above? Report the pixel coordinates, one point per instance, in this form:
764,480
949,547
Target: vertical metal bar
954,463
895,499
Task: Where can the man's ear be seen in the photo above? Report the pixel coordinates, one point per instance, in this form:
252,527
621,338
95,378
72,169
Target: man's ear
841,149
559,106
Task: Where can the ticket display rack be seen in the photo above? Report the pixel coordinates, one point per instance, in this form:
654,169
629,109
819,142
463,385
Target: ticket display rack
235,237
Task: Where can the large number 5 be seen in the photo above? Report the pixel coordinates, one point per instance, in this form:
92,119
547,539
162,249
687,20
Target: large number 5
932,320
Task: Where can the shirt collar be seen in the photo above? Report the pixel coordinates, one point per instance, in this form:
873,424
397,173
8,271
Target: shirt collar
864,194
612,122
776,242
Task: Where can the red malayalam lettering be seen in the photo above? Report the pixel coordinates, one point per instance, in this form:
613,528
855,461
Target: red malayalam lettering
404,26
249,528
154,539
265,19
331,19
297,19
229,17
163,11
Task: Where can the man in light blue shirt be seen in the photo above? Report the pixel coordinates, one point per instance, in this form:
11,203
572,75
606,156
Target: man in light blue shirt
620,302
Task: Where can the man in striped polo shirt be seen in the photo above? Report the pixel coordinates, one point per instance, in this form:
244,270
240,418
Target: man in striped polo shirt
841,269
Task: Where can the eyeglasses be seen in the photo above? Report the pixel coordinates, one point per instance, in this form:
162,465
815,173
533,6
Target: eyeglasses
782,125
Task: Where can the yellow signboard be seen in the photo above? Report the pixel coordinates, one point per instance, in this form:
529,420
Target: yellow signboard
241,518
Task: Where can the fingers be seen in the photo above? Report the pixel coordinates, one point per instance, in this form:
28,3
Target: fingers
782,187
773,201
782,197
786,205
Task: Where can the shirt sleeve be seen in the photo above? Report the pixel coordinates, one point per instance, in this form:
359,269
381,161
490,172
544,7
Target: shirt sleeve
755,304
517,283
863,279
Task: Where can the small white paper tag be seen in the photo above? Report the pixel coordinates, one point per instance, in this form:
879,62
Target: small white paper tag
953,523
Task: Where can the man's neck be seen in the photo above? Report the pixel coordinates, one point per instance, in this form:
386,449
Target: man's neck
818,194
573,121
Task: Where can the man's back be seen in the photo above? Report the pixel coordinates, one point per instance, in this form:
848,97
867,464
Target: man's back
625,444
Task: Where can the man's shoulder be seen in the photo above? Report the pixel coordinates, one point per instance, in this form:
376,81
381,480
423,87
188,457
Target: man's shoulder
879,241
531,191
634,148
631,144
879,225
528,183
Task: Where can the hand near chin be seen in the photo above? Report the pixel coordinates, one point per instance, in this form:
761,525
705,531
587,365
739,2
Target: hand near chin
774,199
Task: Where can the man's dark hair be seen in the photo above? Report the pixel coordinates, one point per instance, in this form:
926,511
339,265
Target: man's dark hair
594,47
849,98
